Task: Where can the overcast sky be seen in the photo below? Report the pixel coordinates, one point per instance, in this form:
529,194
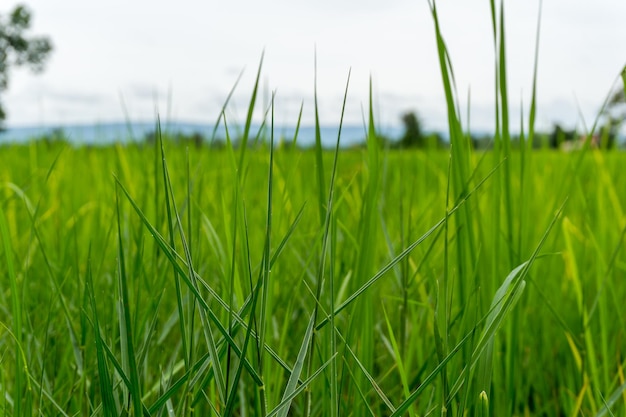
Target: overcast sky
136,51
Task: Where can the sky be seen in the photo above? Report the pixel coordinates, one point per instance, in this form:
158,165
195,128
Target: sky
137,58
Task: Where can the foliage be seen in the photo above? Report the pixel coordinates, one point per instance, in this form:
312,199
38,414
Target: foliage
70,259
17,49
615,110
560,135
195,139
413,136
269,281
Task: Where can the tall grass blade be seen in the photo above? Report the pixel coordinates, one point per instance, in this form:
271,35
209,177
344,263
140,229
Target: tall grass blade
301,388
16,310
505,134
367,238
615,396
398,361
327,221
182,319
426,382
319,152
266,306
533,101
334,372
505,298
297,369
222,113
106,388
173,259
206,326
460,153
294,142
248,125
379,391
126,330
389,266
255,291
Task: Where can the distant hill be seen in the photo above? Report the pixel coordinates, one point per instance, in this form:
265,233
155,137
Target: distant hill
107,133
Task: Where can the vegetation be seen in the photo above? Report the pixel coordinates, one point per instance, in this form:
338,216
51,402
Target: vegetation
414,135
178,280
17,50
71,254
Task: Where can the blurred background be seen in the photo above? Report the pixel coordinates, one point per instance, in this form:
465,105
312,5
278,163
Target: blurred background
129,60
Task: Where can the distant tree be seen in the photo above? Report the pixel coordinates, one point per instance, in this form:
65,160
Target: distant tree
413,136
560,135
195,139
615,111
482,141
18,50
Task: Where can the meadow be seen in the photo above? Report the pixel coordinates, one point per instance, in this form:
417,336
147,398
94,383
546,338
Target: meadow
260,280
117,281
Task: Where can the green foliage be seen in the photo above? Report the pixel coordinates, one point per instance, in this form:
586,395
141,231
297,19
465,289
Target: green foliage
614,112
559,136
153,280
109,284
413,136
16,49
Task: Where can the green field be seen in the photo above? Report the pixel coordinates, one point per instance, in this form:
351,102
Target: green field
259,280
108,307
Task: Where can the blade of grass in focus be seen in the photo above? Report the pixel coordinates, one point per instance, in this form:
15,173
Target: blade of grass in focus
321,269
127,342
106,388
20,400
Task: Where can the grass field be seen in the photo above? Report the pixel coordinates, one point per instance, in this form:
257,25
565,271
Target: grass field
106,307
152,279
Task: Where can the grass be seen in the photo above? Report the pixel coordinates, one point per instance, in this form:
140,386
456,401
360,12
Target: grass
79,323
274,281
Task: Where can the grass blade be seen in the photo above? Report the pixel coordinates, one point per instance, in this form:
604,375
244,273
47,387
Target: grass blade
327,219
297,369
21,377
106,388
403,254
248,125
615,396
126,330
301,388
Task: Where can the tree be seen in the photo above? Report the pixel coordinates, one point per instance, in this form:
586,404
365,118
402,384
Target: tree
561,135
616,106
413,136
18,50
614,114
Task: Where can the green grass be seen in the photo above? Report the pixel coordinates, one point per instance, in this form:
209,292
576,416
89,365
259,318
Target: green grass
263,280
118,317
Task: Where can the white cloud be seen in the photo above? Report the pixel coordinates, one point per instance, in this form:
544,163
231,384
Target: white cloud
142,49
